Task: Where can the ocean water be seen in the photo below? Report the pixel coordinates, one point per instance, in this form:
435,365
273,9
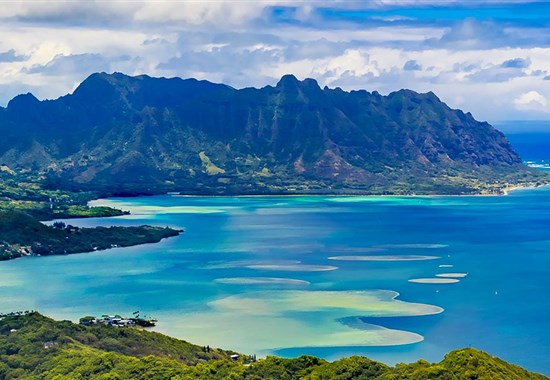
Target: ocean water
392,278
533,147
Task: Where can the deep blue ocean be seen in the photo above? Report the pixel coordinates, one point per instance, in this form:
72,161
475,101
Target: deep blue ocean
533,147
392,278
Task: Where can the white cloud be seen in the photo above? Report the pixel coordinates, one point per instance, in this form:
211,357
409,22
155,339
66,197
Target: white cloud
481,66
202,12
367,35
432,3
532,101
113,12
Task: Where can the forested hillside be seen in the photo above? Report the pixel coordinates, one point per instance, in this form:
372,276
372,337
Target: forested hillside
118,134
35,347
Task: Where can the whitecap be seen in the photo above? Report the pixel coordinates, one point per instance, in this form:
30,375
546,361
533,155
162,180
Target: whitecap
446,266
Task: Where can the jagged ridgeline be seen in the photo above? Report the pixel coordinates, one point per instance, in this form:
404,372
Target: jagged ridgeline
118,134
35,347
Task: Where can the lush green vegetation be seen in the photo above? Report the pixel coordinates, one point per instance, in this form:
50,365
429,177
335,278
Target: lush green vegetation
36,347
146,135
24,202
24,191
21,234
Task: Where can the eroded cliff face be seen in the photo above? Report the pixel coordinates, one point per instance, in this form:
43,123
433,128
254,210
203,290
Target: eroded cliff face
118,133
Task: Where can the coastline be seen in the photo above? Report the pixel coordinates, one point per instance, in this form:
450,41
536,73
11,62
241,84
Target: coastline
507,190
208,228
23,236
483,193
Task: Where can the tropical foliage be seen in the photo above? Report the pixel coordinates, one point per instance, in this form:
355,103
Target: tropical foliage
21,234
118,134
35,347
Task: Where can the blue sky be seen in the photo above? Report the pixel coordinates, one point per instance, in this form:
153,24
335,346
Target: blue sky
491,58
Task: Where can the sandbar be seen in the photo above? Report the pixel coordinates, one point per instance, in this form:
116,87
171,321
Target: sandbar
384,258
452,275
434,280
260,281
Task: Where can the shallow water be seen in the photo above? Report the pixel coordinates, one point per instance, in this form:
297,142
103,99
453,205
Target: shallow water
392,278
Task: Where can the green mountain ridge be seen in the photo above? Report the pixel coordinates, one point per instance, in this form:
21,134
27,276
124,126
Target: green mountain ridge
117,134
36,347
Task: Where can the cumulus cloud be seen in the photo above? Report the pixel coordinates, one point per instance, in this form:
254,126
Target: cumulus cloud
472,33
481,64
516,63
67,64
532,101
68,11
496,73
12,56
412,65
202,12
114,12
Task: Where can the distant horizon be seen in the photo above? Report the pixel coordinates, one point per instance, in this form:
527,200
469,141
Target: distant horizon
522,126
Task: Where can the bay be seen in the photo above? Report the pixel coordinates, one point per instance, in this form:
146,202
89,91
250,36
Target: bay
392,278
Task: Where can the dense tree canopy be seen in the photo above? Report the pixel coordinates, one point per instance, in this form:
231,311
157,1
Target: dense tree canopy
36,347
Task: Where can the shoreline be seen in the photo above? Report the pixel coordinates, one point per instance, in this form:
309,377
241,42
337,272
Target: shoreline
503,192
507,190
449,200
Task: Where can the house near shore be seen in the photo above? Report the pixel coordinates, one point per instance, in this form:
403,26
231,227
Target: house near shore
117,321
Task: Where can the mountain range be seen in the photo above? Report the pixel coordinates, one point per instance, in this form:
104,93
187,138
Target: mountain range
117,134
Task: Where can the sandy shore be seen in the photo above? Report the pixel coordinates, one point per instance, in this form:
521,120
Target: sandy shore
507,190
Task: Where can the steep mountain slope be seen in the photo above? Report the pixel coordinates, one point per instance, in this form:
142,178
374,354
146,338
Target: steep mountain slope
117,133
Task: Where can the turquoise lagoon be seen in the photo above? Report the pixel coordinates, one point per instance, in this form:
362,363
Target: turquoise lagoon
393,278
